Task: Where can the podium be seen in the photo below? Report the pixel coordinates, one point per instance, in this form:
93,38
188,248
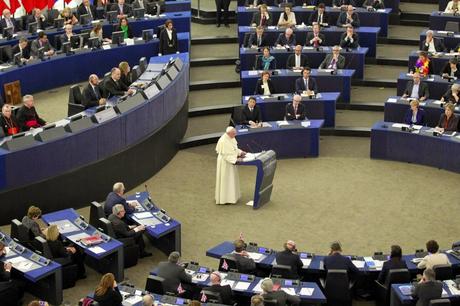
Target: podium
265,162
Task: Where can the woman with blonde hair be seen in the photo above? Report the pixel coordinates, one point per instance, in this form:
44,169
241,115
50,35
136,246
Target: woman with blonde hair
68,16
107,293
125,73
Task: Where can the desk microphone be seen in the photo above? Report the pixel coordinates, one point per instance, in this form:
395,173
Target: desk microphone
148,193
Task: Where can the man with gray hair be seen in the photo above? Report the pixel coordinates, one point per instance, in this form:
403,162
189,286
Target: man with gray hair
281,297
123,230
289,257
27,116
147,300
116,197
257,300
91,95
225,292
227,180
432,44
176,280
427,288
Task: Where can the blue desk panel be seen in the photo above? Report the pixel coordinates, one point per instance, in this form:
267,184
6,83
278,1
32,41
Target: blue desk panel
367,36
450,41
437,86
284,82
393,4
438,20
355,59
399,298
178,5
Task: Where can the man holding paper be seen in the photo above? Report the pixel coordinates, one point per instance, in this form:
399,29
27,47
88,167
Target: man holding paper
227,180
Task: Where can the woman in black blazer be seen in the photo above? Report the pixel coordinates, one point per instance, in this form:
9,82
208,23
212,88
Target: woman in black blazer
264,85
106,293
395,262
448,121
168,39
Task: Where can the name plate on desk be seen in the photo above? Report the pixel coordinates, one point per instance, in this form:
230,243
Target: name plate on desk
78,125
104,115
19,143
51,134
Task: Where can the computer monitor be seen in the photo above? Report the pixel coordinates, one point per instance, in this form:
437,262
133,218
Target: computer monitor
17,59
139,13
143,64
84,37
6,54
32,27
94,43
85,19
147,35
66,48
8,33
75,41
58,23
118,37
112,16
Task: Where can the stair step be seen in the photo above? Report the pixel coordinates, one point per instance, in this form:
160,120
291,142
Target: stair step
199,100
206,40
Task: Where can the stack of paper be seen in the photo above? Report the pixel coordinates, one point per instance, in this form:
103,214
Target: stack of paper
358,263
282,122
307,291
452,287
392,100
227,282
97,250
305,123
290,291
257,257
306,262
242,286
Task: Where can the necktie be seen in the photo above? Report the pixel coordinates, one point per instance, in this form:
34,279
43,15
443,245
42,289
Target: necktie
88,9
315,43
306,83
259,41
320,18
262,20
333,63
9,24
121,9
295,110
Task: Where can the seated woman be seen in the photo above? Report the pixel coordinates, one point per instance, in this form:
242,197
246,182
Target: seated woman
124,26
423,64
265,61
451,69
30,221
97,32
452,95
168,39
287,18
414,115
107,293
9,124
448,121
125,73
264,85
58,250
68,16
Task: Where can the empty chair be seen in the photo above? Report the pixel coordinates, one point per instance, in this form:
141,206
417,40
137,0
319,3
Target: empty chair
135,73
74,105
21,233
395,276
246,40
452,26
143,64
443,272
154,284
337,288
282,271
211,296
237,115
96,212
440,302
227,263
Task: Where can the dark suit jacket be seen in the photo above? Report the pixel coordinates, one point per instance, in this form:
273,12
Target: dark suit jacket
310,36
255,115
291,61
392,263
426,292
121,229
25,51
110,298
300,85
375,4
168,46
89,99
339,262
283,41
253,40
15,24
448,97
113,88
282,298
422,89
343,19
420,121
4,124
438,45
173,275
327,60
343,2
452,125
288,258
40,23
35,45
244,264
25,115
256,19
448,70
82,10
127,10
290,114
314,17
259,91
345,43
113,199
225,292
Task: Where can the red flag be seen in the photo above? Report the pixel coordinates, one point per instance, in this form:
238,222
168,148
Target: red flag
224,265
12,5
41,4
204,298
28,5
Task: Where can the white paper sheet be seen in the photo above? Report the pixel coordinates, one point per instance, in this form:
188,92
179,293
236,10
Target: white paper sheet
358,263
242,286
97,250
307,291
290,291
143,215
392,100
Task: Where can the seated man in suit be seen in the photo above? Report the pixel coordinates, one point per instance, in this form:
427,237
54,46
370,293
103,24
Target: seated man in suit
264,85
427,288
226,293
23,47
315,38
123,9
41,42
262,18
374,4
333,61
348,18
306,85
297,60
27,115
92,93
86,8
174,274
289,257
8,21
38,17
114,87
281,297
395,262
349,39
287,39
116,197
68,28
11,290
451,69
432,44
258,39
452,95
448,122
295,110
251,114
343,3
319,16
123,230
414,115
416,89
336,261
244,263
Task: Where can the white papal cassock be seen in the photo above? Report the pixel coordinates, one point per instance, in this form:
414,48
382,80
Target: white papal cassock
227,180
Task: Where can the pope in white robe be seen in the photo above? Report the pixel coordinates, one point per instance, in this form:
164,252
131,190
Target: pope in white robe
227,179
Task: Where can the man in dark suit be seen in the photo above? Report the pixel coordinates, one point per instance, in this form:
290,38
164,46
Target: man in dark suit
41,42
8,21
297,60
451,69
244,264
427,289
225,292
319,16
92,94
286,39
251,114
222,12
116,197
432,44
395,262
173,273
281,297
68,33
336,261
348,18
123,9
306,85
86,8
295,110
37,17
289,257
259,38
349,39
315,38
113,86
416,89
123,230
334,60
11,290
262,18
23,47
